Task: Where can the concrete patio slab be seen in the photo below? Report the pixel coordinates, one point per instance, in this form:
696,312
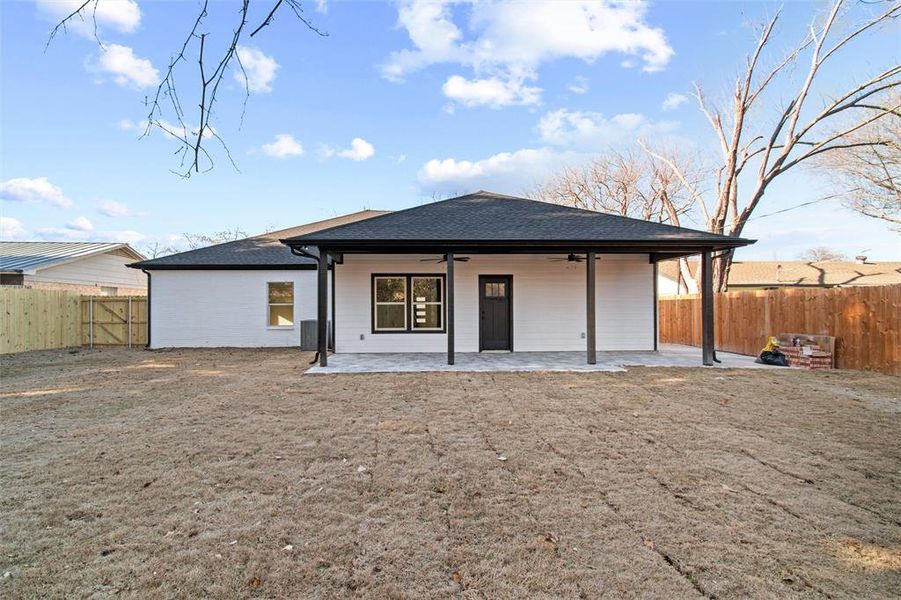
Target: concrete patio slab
668,355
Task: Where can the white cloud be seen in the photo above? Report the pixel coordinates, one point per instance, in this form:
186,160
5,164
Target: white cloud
11,229
80,224
590,129
111,208
322,6
674,101
126,236
505,171
493,92
359,150
127,69
34,190
284,146
260,69
511,43
122,16
578,85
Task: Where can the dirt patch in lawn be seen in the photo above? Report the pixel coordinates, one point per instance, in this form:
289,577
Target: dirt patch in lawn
229,473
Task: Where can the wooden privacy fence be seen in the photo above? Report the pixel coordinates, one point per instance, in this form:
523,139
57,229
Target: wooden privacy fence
36,319
865,320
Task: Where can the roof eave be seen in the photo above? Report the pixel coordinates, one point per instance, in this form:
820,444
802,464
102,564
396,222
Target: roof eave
676,245
222,267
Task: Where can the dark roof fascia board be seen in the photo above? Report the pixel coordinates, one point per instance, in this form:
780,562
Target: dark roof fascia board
307,267
521,246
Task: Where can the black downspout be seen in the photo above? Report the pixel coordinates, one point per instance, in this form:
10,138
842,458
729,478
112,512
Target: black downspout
148,306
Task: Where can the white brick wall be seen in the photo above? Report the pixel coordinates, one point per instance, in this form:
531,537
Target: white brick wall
548,303
207,308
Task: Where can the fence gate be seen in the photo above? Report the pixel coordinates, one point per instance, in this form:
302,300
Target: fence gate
114,321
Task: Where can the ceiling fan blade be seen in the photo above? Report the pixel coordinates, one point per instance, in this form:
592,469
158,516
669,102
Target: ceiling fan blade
462,258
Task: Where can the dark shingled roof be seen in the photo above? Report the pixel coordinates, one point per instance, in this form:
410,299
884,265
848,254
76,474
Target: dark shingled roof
495,218
258,252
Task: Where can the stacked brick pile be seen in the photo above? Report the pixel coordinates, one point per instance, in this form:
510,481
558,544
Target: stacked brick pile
817,359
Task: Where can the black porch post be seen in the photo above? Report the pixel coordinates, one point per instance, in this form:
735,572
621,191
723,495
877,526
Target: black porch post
322,312
590,314
707,307
450,308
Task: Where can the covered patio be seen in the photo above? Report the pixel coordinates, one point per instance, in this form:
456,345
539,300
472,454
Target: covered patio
585,284
667,355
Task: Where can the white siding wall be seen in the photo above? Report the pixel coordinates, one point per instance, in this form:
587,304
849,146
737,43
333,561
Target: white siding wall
224,308
548,303
97,270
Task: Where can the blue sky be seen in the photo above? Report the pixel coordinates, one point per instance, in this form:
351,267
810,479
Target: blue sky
389,110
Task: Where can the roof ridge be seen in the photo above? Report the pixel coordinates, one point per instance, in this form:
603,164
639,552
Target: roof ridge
275,231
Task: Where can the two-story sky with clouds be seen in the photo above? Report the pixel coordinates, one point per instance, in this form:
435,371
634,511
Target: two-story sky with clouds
400,103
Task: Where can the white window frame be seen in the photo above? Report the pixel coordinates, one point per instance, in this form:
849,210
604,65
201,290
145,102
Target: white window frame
376,303
270,304
414,303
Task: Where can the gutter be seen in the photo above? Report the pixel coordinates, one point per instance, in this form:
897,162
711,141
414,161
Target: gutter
148,306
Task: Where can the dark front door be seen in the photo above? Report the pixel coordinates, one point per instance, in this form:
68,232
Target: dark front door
495,322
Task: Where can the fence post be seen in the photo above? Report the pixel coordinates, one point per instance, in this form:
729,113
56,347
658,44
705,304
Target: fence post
91,322
129,321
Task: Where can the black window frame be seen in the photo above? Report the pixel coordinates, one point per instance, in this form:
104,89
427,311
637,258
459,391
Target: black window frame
408,304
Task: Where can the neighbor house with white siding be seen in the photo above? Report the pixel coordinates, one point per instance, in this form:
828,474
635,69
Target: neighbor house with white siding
488,272
90,268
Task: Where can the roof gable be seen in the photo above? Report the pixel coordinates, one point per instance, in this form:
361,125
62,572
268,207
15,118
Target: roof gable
490,217
28,257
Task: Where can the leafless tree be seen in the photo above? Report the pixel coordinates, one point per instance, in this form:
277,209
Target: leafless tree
201,240
156,249
630,184
166,103
799,131
867,175
821,254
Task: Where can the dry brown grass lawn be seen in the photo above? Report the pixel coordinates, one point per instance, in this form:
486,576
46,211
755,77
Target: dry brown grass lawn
214,473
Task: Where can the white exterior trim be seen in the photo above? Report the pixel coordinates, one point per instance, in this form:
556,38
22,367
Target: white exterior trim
548,302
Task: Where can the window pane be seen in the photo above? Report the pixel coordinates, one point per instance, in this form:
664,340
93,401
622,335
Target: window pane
280,316
390,289
426,289
495,290
281,292
427,316
390,316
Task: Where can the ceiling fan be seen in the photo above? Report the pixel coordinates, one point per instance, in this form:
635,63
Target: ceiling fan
572,258
443,258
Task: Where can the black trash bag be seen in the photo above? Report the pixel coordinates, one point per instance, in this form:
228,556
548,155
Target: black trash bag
772,357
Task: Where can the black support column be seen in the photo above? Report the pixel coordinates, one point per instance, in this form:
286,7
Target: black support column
322,308
707,338
590,310
450,307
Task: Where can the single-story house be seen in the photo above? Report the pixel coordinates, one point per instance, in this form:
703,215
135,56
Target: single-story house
773,274
252,292
488,272
89,268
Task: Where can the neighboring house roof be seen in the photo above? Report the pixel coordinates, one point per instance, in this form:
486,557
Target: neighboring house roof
28,257
258,252
485,218
800,273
